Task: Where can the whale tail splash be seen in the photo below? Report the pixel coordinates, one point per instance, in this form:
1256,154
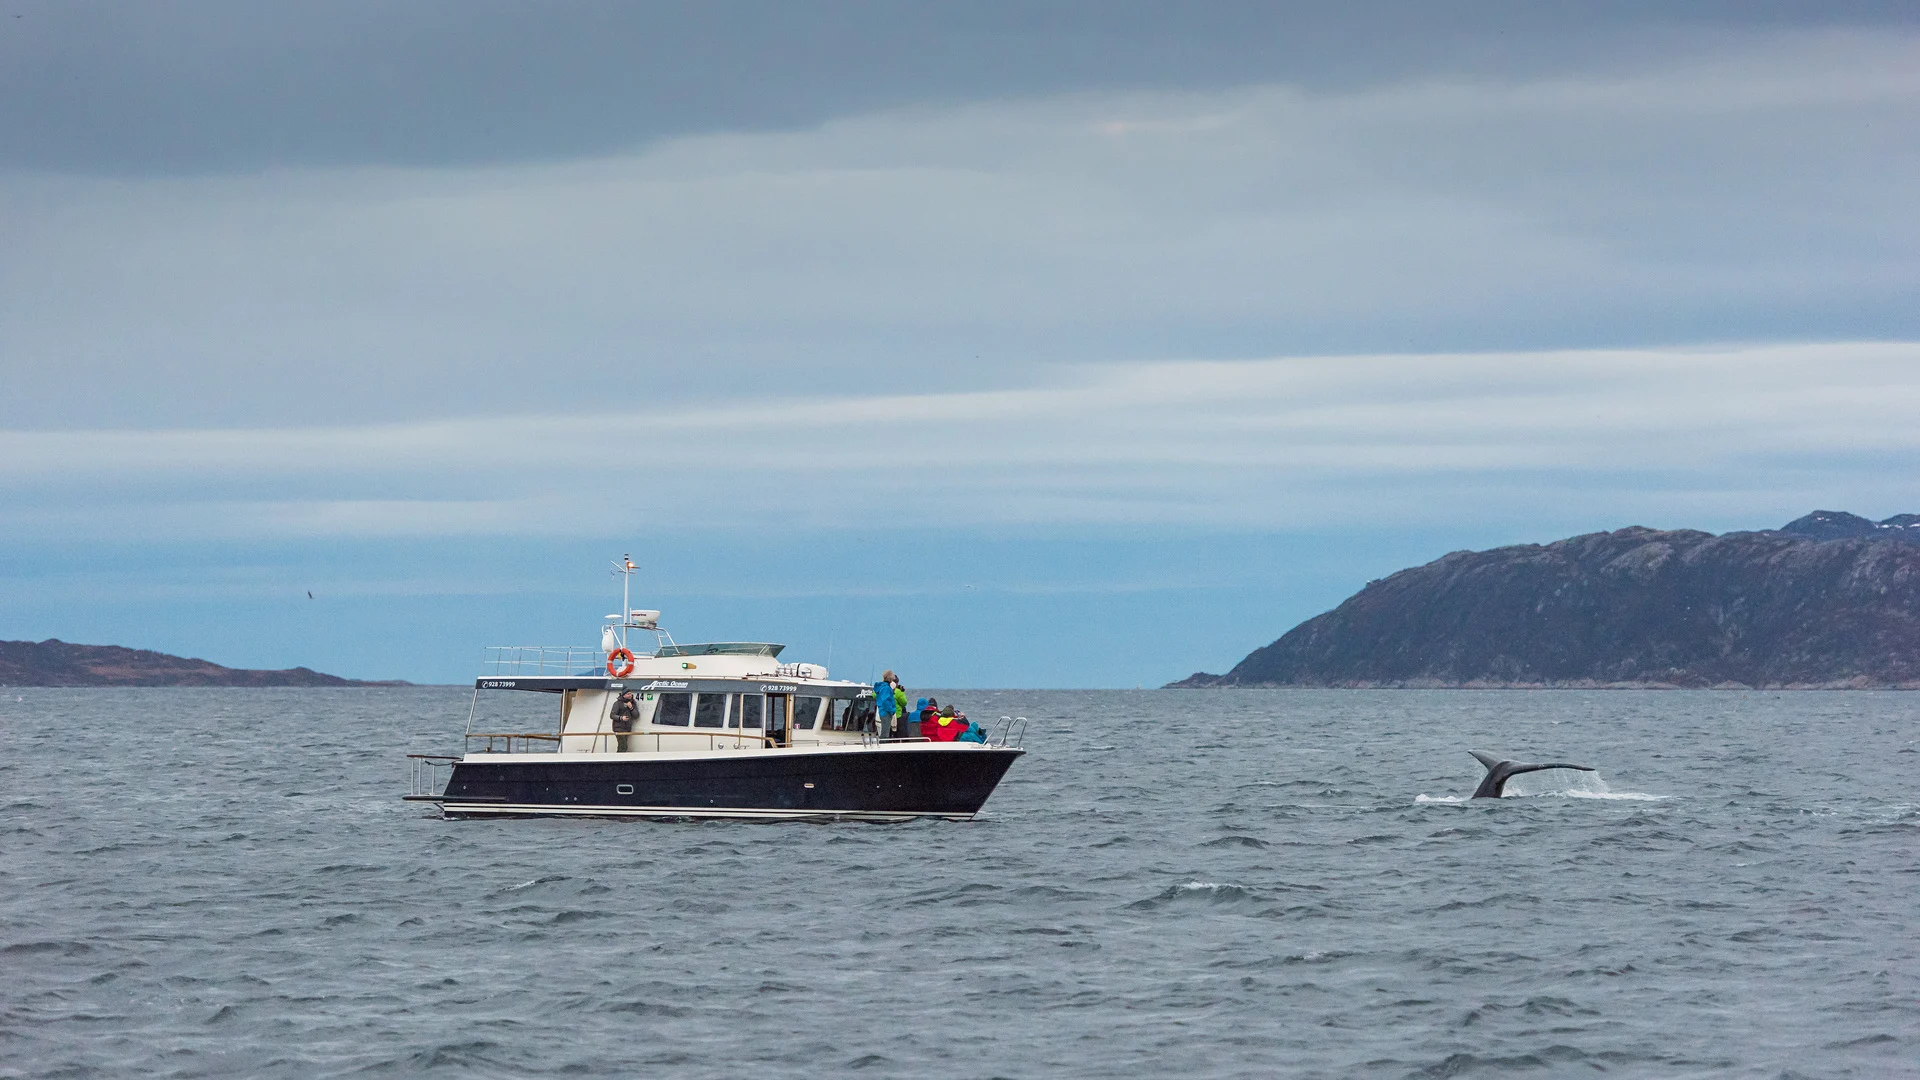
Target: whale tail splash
1499,772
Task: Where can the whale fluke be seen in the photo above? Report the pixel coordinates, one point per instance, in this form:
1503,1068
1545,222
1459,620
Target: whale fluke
1499,772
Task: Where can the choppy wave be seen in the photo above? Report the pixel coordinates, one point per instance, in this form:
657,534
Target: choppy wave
1262,901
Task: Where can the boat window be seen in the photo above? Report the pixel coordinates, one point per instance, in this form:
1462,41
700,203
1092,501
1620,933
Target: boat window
747,710
851,714
673,710
710,710
805,710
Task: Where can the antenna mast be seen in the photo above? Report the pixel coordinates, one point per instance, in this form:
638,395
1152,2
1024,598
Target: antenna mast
614,634
625,569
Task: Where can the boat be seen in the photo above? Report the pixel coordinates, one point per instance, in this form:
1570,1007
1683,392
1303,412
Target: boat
723,730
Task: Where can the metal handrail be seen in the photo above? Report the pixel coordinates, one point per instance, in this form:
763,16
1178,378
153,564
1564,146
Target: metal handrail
502,660
509,736
426,773
1008,731
735,735
1011,732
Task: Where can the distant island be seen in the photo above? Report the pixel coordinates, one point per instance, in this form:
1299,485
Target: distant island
1828,601
57,663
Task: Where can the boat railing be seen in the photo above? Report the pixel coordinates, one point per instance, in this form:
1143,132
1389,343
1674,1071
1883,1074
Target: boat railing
428,778
501,742
717,739
573,660
1008,731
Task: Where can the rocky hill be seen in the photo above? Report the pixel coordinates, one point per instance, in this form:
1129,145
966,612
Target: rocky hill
1828,600
57,663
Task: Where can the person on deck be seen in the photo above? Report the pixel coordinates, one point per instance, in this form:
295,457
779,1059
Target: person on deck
884,706
945,726
900,709
625,712
972,732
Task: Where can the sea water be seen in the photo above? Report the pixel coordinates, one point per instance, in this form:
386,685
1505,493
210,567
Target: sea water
1171,883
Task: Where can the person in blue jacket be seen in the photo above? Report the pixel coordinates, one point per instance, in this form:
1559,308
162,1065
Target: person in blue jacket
883,703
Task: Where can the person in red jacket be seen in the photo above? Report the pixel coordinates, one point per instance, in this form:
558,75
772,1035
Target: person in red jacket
945,726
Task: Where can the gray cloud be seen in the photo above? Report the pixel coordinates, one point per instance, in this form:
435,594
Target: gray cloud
1379,442
212,85
1763,194
400,294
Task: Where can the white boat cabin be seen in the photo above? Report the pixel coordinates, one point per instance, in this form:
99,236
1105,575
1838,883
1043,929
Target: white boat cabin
717,696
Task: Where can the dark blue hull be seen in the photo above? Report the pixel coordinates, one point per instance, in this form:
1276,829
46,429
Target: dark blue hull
874,784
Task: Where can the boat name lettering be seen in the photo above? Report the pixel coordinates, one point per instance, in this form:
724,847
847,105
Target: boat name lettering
665,686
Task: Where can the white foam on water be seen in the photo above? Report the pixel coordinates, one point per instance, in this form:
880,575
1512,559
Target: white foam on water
1208,886
1553,783
1570,784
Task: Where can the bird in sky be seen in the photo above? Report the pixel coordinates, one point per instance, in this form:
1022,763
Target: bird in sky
309,594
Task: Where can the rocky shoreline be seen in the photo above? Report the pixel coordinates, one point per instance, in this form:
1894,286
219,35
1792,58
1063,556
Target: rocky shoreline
59,663
1830,601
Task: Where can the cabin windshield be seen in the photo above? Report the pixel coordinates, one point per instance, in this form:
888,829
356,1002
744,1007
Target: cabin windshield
851,714
723,648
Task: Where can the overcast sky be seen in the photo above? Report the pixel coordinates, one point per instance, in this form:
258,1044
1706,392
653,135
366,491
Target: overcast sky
1037,344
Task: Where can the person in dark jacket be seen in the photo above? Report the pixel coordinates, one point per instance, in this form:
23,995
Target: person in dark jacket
625,712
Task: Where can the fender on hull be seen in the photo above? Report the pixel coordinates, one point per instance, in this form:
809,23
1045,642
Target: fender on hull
889,785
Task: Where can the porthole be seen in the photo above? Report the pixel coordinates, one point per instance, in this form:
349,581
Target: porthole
623,789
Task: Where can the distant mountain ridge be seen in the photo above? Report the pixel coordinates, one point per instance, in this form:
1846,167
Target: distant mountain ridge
1829,600
58,663
1840,525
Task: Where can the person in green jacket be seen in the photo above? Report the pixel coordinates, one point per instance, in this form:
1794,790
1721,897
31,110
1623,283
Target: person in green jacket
900,709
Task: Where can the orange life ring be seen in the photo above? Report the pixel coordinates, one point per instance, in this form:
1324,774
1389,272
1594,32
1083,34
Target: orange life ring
616,657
